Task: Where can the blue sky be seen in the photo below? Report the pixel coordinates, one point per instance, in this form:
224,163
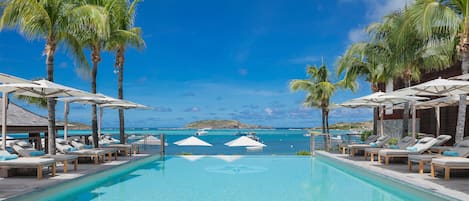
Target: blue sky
212,59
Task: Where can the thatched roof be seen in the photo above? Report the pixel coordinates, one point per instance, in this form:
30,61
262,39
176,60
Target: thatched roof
22,120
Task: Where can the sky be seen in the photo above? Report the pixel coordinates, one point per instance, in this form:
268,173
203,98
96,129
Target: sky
212,59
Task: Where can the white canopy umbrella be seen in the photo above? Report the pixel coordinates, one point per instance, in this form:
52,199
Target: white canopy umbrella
436,87
378,99
150,140
192,141
40,88
118,104
244,141
436,104
97,99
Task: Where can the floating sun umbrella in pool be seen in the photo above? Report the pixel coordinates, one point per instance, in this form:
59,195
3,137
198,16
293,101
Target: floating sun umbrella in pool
228,158
192,157
244,141
192,141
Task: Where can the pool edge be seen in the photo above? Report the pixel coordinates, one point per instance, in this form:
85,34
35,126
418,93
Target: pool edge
435,189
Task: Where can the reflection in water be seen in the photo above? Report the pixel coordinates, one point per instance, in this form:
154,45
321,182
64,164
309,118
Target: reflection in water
236,169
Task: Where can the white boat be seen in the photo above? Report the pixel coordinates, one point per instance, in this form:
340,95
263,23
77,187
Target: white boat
200,132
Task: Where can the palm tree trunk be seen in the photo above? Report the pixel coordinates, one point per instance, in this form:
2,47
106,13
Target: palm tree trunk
96,58
462,101
327,121
50,51
405,115
120,89
323,124
374,88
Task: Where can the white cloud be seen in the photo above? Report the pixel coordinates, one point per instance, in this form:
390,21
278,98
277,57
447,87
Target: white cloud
378,8
357,35
375,10
268,110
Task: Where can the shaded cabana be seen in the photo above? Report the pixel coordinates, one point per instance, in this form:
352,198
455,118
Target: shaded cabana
21,120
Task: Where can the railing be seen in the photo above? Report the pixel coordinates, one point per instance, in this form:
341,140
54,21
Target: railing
330,142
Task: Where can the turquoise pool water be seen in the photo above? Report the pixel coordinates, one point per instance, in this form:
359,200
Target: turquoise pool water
207,178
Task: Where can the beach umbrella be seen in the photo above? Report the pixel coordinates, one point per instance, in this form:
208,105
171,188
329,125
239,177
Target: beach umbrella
436,87
118,104
244,141
97,99
436,104
192,141
150,140
379,99
40,88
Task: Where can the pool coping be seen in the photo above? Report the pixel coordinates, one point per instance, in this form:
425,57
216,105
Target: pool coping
24,195
395,176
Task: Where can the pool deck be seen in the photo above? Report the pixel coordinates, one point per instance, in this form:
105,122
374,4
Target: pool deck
457,187
18,185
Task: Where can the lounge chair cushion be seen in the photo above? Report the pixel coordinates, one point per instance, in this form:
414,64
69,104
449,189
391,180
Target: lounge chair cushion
450,153
412,149
386,152
452,161
37,153
27,162
8,157
69,149
373,144
464,143
393,147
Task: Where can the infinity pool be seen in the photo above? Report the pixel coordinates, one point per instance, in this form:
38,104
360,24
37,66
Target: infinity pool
207,178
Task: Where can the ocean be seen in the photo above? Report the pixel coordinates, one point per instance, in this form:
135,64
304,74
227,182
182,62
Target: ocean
278,141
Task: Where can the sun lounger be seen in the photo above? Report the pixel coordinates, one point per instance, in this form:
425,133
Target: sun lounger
441,149
421,146
427,158
449,163
83,153
368,140
28,162
108,142
109,151
401,144
26,150
380,142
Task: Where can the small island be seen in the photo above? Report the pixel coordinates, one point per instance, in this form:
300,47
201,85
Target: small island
222,124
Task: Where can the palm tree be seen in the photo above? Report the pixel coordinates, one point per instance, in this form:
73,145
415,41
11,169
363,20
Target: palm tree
123,35
366,60
96,43
319,91
52,21
433,18
411,52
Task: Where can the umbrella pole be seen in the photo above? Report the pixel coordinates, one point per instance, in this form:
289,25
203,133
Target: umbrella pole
381,112
437,114
4,120
414,111
65,120
100,117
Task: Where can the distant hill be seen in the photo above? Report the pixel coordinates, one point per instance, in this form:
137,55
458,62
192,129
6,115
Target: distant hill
76,125
222,124
367,125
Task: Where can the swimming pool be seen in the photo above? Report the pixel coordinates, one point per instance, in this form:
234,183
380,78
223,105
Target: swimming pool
207,178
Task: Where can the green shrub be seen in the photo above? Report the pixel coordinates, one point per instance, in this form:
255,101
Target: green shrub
393,141
303,153
365,135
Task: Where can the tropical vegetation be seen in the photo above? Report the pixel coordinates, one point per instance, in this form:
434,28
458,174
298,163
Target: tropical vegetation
75,25
422,37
